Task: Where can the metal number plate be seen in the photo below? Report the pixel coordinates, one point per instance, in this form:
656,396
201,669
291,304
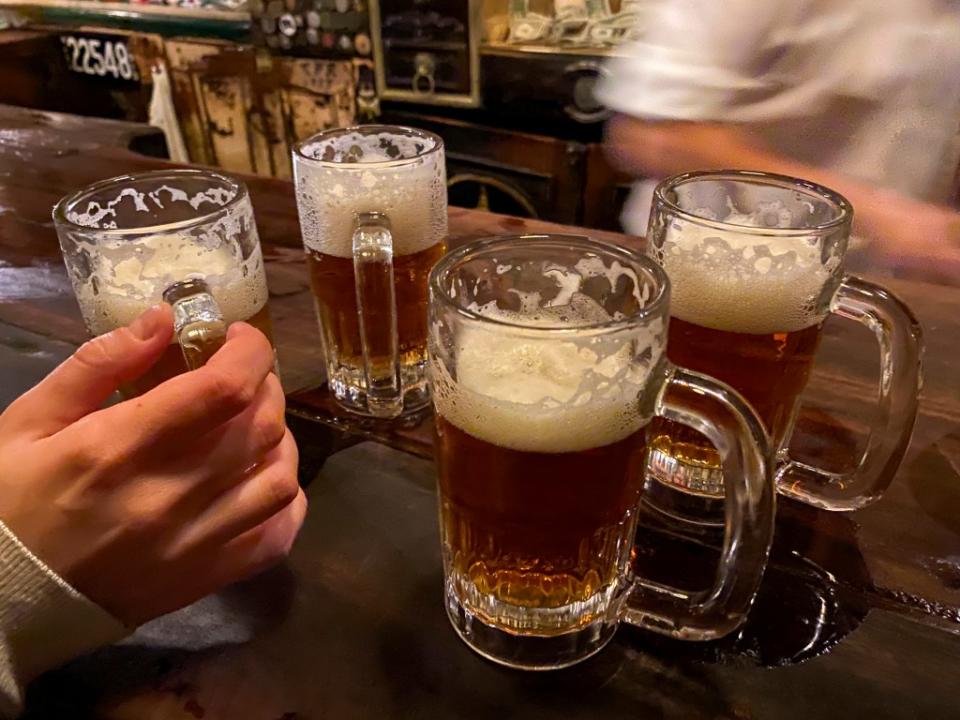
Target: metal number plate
106,56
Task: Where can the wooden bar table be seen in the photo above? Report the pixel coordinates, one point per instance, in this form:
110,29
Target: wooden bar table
858,615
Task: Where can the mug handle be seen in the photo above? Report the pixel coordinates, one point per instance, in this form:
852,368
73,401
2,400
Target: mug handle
377,313
899,337
197,321
719,412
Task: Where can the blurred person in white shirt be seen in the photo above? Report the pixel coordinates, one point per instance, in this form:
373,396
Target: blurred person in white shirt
858,95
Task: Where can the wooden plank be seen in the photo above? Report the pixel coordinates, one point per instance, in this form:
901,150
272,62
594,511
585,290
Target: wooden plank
182,55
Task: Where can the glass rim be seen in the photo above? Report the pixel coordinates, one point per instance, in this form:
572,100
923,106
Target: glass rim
299,154
845,208
241,194
654,306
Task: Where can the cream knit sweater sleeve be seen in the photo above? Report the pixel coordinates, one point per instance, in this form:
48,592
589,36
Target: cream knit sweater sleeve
43,621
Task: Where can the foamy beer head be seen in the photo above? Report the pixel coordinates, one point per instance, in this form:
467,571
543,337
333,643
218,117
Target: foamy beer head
537,395
127,239
748,252
541,345
395,171
130,276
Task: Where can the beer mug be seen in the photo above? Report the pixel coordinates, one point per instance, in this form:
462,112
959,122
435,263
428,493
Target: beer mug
547,365
756,265
184,236
373,213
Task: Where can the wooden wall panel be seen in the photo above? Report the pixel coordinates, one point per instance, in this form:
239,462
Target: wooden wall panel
181,56
244,112
225,102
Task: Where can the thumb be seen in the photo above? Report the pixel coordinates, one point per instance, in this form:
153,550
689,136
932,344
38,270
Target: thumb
82,383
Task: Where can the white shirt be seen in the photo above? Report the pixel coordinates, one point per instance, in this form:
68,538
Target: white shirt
868,88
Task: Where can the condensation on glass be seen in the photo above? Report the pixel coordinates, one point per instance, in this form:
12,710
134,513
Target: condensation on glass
373,212
755,262
548,364
128,240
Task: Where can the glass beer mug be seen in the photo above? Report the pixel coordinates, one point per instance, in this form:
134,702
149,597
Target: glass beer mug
373,213
547,363
755,262
184,236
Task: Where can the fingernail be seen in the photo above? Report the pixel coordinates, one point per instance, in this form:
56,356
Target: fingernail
235,328
146,326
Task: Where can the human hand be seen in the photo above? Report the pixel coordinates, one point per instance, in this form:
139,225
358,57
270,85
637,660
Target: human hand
915,239
152,503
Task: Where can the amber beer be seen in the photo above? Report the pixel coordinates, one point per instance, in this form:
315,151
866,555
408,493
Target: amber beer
373,214
333,284
130,283
547,362
536,496
752,324
518,524
769,370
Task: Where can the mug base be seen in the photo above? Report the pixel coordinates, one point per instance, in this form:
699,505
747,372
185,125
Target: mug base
354,400
523,651
682,493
